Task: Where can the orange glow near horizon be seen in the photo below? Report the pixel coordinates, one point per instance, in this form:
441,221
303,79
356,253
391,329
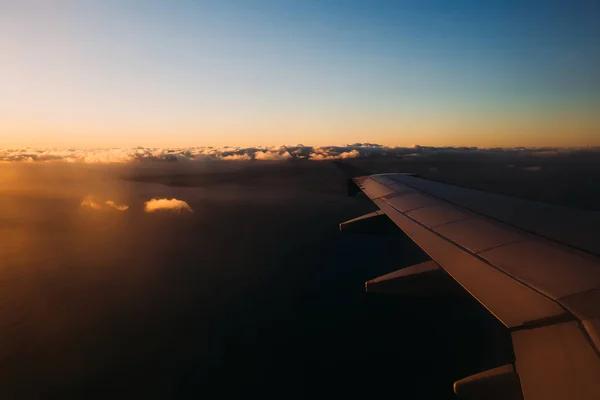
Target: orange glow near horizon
557,130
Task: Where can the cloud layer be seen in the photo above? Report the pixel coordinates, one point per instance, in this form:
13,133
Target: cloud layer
155,205
356,150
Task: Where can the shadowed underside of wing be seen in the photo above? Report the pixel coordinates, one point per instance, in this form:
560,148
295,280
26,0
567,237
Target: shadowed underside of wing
534,266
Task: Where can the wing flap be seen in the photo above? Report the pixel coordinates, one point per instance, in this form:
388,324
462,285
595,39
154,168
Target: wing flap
547,357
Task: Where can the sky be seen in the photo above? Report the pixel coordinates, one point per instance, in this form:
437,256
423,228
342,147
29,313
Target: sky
270,72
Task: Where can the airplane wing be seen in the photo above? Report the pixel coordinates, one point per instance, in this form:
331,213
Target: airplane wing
534,266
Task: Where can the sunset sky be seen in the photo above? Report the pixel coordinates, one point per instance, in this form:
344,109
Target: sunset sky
269,72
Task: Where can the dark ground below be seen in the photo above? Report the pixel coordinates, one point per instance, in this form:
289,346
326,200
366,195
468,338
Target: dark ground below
255,294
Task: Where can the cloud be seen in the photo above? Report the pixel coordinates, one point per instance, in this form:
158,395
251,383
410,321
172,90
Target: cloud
274,153
350,154
166,205
237,157
318,157
120,207
90,203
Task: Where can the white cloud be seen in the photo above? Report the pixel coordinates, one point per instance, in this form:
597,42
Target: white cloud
272,155
331,153
350,154
88,202
237,157
166,205
120,207
318,157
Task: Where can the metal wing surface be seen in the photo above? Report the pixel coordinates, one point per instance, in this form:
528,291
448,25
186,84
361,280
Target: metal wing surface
534,266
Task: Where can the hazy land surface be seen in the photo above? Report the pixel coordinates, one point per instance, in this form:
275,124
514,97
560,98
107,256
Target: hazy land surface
255,293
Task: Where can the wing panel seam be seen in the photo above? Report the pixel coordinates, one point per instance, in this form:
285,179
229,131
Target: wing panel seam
554,241
566,314
476,256
502,245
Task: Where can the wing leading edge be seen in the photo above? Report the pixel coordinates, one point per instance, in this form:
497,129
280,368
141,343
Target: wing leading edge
541,281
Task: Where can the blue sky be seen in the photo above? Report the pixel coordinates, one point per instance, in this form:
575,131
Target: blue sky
117,73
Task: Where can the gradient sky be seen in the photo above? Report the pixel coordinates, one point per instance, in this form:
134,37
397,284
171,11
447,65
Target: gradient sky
184,73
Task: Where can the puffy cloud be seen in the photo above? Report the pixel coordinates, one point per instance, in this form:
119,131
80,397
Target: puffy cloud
237,157
275,153
167,205
272,155
89,202
318,156
334,153
350,154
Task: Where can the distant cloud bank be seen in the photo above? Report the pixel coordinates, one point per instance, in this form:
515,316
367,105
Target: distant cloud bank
356,150
155,205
